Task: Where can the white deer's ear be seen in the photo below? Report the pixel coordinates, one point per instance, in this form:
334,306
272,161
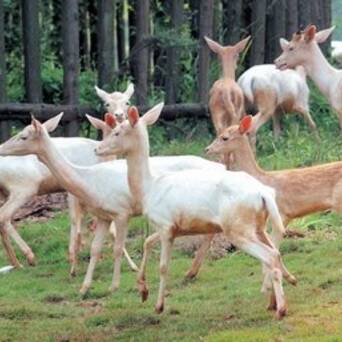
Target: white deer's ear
102,94
323,35
309,33
153,114
37,126
52,123
130,90
283,43
213,46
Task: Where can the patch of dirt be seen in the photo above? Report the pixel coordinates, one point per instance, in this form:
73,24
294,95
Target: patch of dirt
42,208
220,246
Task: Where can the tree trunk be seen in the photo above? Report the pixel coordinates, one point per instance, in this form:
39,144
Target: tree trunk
105,50
4,124
141,59
70,33
33,85
173,53
258,30
206,29
124,30
115,38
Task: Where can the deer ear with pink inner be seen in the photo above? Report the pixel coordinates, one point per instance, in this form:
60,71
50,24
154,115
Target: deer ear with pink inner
110,120
133,115
245,124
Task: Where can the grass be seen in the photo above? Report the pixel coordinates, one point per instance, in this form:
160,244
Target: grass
224,304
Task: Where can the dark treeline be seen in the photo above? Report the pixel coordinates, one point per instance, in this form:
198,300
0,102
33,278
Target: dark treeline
157,44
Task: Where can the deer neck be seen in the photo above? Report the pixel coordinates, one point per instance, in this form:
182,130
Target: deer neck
245,160
320,71
65,173
228,68
139,173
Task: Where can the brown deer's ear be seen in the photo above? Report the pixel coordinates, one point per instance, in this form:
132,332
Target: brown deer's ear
245,124
133,115
110,120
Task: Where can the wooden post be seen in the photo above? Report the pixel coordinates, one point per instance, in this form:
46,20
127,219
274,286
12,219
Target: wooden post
4,124
304,13
105,52
232,13
206,29
173,53
33,86
140,60
279,25
292,25
258,30
70,33
325,8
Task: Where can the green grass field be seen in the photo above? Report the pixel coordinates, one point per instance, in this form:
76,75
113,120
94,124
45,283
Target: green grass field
224,303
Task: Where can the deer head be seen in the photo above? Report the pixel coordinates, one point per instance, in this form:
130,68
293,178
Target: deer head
131,134
31,139
116,103
299,49
230,139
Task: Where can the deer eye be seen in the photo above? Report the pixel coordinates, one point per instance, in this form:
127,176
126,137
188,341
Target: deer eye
225,138
117,134
107,105
23,138
291,48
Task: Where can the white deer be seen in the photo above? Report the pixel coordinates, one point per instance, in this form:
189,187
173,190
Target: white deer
273,92
102,189
197,202
303,50
117,102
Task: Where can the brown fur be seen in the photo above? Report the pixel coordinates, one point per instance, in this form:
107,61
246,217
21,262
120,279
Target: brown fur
299,192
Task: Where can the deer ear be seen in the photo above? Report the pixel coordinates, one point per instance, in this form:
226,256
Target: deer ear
213,46
52,123
323,35
283,43
240,46
153,114
37,126
130,90
110,120
245,124
102,94
133,115
309,33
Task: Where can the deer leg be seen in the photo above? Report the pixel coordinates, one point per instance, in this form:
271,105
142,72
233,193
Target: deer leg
9,228
131,263
13,203
270,258
308,119
121,224
96,247
199,256
75,242
149,243
276,124
165,256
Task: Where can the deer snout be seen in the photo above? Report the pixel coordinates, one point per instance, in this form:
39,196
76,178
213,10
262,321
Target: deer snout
119,117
